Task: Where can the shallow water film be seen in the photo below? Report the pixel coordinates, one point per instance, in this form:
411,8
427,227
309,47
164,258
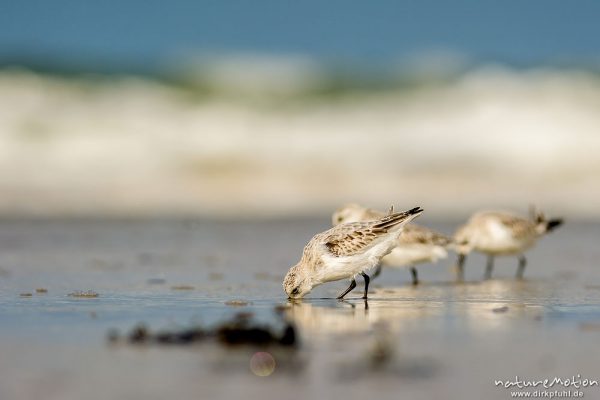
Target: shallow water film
185,308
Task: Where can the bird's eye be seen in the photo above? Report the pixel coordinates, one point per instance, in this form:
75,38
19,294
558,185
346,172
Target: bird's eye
340,218
296,290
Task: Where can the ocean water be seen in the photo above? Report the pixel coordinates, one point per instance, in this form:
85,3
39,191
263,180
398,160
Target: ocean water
274,141
440,338
151,36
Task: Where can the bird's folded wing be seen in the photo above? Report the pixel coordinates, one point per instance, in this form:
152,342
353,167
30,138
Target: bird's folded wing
350,239
415,234
355,239
518,226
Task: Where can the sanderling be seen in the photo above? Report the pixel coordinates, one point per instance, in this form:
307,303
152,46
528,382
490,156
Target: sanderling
416,244
497,233
346,251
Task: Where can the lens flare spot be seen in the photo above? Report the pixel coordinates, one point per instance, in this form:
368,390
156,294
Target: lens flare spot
262,364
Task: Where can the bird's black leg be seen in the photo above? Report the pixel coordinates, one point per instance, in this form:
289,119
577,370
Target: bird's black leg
489,267
352,286
415,278
522,264
460,267
367,280
377,271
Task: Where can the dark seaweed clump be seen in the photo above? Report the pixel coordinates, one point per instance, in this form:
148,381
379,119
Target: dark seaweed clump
241,330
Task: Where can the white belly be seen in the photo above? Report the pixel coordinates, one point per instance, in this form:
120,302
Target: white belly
497,239
336,268
408,255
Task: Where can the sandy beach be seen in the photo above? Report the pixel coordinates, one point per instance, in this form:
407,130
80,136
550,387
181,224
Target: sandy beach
440,339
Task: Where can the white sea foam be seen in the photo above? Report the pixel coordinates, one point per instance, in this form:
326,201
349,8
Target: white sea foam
492,137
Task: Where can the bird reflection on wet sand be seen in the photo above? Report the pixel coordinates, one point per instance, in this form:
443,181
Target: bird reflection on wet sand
403,308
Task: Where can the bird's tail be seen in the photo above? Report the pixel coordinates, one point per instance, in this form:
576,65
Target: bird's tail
553,224
544,226
397,220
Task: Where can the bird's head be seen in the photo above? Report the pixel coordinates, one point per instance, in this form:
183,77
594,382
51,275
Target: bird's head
347,213
296,283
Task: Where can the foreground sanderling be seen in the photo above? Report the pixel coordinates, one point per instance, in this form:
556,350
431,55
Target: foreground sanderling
415,245
497,233
345,251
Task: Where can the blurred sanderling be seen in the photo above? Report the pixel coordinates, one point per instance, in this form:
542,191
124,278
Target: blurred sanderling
415,245
345,251
498,233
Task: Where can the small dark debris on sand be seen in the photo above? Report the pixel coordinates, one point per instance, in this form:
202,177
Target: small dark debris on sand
241,330
88,294
142,335
41,290
26,294
500,309
182,287
237,303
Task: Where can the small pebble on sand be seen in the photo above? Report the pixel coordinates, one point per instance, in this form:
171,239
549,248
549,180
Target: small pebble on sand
237,303
182,287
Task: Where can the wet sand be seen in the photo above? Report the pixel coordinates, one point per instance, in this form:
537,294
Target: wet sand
440,339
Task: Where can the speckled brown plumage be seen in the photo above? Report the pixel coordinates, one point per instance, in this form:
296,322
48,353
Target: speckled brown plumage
412,234
353,238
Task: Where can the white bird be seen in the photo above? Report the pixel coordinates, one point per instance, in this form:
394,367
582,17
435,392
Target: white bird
345,251
499,233
415,245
